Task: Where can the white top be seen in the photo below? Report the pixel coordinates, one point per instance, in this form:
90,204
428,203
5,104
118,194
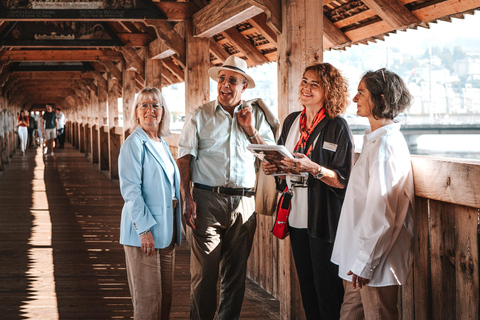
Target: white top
376,224
218,145
169,168
298,217
60,120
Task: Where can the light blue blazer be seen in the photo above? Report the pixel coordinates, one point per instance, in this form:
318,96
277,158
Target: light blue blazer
147,192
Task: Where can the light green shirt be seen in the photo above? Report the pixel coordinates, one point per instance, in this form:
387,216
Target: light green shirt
218,145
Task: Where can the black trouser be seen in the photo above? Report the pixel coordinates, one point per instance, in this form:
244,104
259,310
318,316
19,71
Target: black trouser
61,136
321,287
31,137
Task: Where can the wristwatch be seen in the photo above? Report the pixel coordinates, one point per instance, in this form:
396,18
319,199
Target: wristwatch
320,173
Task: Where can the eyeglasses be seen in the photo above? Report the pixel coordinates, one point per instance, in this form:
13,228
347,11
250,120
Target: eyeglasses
144,105
383,73
233,81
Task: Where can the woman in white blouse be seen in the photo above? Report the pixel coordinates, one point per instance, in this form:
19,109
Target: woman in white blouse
373,242
150,224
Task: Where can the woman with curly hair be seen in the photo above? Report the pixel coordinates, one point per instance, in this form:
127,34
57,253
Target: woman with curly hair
322,144
373,248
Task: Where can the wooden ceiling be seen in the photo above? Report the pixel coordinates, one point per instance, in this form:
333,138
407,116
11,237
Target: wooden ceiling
48,69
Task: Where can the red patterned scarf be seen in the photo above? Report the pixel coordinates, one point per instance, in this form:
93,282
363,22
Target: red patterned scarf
304,133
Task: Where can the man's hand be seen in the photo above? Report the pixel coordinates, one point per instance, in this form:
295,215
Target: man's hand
245,120
361,281
190,212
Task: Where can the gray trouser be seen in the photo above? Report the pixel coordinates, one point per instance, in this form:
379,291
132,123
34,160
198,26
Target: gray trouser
150,279
225,227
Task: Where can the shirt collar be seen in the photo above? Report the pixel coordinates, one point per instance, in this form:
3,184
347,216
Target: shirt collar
218,106
389,128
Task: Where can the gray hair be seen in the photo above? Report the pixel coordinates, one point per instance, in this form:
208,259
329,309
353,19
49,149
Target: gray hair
155,94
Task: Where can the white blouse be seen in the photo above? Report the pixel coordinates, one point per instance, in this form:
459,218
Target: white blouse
376,224
169,168
298,217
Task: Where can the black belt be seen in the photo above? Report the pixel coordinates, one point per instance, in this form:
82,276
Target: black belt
231,191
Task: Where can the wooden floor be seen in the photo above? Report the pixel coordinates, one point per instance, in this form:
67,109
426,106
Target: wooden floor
59,251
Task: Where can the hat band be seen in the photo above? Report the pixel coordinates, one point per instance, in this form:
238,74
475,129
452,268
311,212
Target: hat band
235,68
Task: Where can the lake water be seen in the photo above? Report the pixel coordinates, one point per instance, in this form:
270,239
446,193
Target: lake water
465,146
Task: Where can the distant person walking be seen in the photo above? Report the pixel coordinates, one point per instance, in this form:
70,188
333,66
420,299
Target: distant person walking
32,127
60,128
22,124
50,123
40,129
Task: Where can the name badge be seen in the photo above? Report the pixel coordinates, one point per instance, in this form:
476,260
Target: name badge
330,146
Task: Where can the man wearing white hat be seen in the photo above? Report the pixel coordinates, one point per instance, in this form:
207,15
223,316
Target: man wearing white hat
213,155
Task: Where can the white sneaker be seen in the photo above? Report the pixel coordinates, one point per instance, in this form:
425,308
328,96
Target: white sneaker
52,154
45,150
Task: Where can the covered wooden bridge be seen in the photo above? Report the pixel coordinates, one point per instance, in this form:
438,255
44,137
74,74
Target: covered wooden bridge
84,56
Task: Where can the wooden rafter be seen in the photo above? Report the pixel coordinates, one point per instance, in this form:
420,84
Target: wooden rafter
173,40
158,49
218,50
245,46
393,12
60,55
334,35
221,15
175,69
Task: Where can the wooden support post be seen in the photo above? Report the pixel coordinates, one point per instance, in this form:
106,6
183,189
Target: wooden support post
102,120
153,73
298,47
113,145
197,83
128,88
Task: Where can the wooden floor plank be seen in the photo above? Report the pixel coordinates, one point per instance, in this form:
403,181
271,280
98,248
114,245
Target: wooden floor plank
59,249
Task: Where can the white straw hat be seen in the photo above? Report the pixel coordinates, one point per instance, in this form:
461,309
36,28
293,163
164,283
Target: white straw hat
233,63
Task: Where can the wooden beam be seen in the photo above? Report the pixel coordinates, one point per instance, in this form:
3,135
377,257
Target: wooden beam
273,12
5,74
197,81
113,70
60,55
245,46
169,76
218,50
133,60
259,22
221,15
393,12
166,32
153,73
135,39
175,69
333,34
52,75
177,11
158,49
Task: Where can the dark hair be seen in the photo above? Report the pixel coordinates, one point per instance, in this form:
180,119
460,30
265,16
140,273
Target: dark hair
390,95
59,109
335,87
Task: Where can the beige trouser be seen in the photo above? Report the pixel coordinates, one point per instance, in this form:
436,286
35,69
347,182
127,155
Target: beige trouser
369,303
225,227
150,279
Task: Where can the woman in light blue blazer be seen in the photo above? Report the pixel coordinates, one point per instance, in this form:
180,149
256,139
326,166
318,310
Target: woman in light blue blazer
151,222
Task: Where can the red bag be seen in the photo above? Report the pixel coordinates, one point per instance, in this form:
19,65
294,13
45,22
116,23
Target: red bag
280,228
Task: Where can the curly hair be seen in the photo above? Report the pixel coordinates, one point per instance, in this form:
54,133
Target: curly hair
335,87
390,95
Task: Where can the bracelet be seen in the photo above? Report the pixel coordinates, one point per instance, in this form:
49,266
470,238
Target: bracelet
144,232
253,137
